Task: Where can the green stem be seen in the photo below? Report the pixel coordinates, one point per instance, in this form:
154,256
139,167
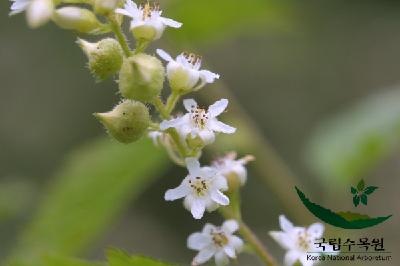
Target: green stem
141,45
120,36
171,102
160,106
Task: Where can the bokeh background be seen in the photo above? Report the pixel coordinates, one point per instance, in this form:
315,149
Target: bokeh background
315,92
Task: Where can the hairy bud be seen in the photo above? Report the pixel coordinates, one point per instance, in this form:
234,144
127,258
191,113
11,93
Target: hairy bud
104,7
141,78
76,18
39,12
105,57
127,122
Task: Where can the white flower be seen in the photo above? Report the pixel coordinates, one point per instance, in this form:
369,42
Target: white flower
38,12
201,189
298,241
184,72
19,6
216,241
228,165
200,122
147,22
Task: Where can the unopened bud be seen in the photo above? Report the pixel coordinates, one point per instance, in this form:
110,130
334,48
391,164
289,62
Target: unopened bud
105,57
127,122
104,7
141,78
76,18
39,12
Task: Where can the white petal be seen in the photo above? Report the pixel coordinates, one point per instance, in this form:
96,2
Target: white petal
208,228
285,224
39,12
198,241
207,136
218,126
164,55
176,122
177,193
218,107
171,23
208,172
283,239
193,165
221,259
220,183
230,226
316,230
123,12
198,208
237,243
189,104
230,251
203,256
211,206
219,198
291,257
208,76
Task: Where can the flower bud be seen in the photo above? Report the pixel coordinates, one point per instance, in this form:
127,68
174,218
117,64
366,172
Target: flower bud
104,7
75,18
127,122
141,77
39,12
105,57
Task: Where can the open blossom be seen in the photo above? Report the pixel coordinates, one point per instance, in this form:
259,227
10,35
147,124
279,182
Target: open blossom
216,241
201,189
228,165
199,122
147,22
298,241
184,72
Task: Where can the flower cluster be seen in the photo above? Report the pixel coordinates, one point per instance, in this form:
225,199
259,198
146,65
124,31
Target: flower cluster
140,82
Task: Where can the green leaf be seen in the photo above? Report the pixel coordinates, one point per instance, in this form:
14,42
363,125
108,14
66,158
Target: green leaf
370,190
119,258
351,216
356,200
361,185
364,199
353,190
95,184
355,141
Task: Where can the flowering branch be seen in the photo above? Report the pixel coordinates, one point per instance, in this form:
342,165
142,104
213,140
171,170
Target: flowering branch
140,83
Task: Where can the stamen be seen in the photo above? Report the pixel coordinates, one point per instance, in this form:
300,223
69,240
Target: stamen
192,58
148,8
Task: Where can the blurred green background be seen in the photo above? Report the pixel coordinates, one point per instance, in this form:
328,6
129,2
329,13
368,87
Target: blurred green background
319,81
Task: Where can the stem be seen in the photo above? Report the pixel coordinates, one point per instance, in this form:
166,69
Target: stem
161,108
250,237
141,45
120,36
171,102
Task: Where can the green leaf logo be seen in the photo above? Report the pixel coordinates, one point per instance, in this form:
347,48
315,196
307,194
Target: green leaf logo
360,194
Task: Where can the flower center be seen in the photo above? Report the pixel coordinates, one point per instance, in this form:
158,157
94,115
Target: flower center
199,117
199,186
148,8
219,239
193,59
303,241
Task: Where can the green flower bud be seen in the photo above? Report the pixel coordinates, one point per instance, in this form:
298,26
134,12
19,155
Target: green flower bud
75,18
141,77
105,57
104,7
127,122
